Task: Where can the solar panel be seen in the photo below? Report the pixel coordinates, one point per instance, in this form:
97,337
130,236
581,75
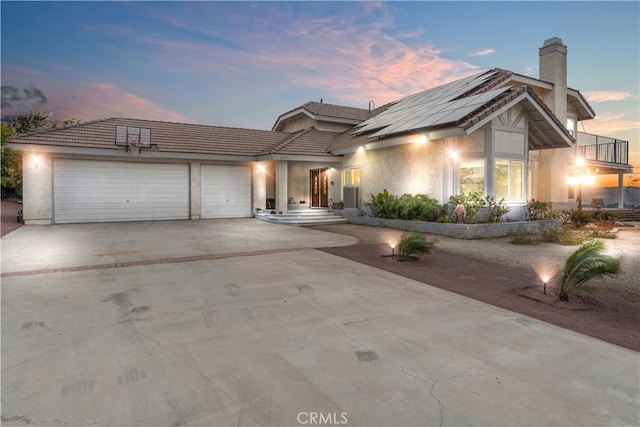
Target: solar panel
433,107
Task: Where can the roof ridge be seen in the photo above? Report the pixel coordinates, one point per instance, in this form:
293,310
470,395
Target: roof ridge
56,128
281,144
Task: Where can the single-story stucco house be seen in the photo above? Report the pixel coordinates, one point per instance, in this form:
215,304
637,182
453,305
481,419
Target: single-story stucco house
497,132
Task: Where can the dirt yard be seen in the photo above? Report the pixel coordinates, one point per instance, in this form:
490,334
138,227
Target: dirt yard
8,220
510,276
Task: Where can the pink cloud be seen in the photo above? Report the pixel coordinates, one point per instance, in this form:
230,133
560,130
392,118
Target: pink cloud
604,95
82,100
610,125
350,61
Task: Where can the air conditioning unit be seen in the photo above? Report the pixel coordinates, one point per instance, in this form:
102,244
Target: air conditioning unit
351,197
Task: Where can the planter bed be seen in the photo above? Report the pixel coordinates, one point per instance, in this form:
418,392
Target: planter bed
459,231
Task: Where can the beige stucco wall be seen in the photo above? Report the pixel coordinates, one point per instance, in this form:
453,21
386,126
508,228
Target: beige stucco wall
300,122
37,190
409,168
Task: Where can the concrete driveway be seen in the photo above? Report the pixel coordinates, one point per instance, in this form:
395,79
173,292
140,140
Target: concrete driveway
218,323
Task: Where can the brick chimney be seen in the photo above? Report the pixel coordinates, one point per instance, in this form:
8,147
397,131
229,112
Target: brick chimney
553,69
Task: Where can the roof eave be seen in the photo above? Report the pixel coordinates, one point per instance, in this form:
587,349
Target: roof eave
560,137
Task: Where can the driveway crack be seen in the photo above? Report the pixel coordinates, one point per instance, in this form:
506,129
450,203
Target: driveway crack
432,384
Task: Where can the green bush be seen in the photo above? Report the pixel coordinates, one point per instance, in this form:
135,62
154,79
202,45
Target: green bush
472,202
580,218
414,243
498,208
384,204
407,206
537,210
586,263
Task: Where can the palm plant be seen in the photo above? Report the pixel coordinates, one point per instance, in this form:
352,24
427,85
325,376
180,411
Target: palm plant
414,243
586,263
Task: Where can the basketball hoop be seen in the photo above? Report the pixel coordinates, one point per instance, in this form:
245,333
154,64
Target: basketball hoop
133,138
134,147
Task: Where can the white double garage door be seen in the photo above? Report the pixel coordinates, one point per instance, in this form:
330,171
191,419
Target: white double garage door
105,191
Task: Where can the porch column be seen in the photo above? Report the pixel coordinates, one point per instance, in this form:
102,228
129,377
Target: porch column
620,190
282,192
259,186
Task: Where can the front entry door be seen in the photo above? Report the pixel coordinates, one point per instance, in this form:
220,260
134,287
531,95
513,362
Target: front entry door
319,188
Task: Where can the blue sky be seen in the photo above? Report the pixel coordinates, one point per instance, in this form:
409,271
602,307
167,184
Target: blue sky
242,64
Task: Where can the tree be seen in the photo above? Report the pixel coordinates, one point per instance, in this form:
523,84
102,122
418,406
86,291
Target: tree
586,263
12,159
11,175
29,122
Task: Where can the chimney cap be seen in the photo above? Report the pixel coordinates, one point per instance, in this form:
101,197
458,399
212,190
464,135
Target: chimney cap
552,41
554,44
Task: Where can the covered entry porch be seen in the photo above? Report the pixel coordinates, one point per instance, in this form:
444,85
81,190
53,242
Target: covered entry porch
284,185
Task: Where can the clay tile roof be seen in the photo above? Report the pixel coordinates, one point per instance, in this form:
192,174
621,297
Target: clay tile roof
311,142
165,137
338,111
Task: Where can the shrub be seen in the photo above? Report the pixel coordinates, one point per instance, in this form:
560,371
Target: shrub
407,206
586,263
603,234
537,210
428,209
580,218
523,237
414,243
384,204
472,202
498,208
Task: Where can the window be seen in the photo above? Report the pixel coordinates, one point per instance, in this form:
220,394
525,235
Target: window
509,180
571,126
351,176
472,176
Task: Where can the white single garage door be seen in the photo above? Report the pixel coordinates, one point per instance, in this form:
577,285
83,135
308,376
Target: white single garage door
101,191
225,191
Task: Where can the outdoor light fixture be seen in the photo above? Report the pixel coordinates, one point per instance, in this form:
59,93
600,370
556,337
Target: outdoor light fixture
361,149
580,177
421,139
544,287
393,249
37,161
453,155
261,168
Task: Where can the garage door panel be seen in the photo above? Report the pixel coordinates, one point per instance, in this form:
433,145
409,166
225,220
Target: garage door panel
100,191
225,191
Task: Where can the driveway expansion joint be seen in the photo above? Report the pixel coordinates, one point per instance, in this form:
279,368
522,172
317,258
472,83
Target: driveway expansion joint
193,258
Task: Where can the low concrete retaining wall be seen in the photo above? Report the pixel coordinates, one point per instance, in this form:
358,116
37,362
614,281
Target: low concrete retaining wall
459,231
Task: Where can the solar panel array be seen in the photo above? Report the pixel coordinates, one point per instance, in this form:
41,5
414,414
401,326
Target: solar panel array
433,107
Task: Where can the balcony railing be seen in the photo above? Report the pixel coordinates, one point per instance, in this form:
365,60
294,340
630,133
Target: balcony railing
603,149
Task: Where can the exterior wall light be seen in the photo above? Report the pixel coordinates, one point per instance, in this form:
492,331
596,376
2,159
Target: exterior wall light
361,149
37,161
261,168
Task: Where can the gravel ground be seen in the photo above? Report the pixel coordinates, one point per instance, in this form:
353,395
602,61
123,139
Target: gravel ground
497,272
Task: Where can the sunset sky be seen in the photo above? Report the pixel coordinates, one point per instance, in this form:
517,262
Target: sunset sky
242,64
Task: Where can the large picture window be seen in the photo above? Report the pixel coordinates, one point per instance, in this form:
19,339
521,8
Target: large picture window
472,176
509,180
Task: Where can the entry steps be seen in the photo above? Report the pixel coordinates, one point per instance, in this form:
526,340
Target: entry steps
303,217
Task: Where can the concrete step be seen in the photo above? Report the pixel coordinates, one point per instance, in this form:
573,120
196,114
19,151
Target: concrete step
301,218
